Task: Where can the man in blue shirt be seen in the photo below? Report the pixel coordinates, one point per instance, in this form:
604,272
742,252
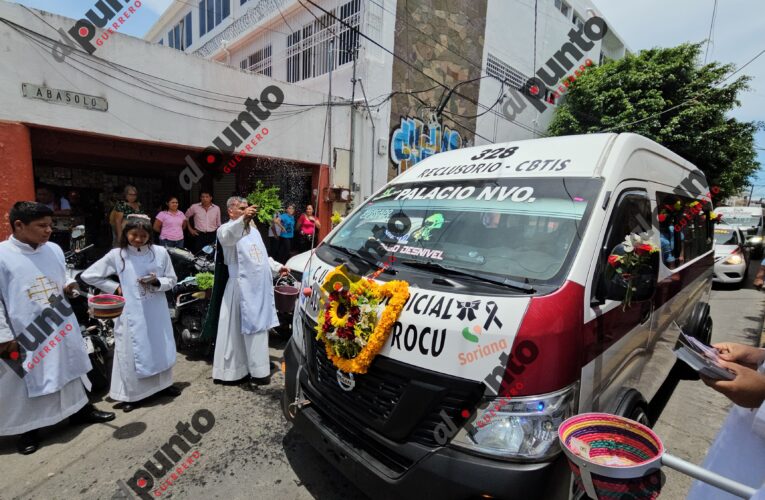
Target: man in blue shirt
288,231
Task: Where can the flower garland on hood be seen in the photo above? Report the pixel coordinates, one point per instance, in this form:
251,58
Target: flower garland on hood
348,323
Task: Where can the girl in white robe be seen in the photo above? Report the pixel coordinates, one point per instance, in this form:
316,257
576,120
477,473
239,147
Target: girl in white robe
144,352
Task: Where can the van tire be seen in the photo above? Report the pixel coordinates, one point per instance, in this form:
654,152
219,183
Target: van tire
631,404
700,327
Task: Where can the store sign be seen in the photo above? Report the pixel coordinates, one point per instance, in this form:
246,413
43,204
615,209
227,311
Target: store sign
66,97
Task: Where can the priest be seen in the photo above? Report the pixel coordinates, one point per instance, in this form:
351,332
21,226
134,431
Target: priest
44,362
247,311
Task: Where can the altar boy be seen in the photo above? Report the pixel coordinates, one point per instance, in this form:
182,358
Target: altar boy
44,366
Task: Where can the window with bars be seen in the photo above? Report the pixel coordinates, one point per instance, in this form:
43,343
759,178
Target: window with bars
212,13
258,62
308,48
179,37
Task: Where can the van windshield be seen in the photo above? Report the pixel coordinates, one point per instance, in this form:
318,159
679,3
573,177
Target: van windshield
726,237
519,229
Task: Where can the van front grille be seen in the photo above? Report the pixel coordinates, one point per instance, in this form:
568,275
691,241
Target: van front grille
399,401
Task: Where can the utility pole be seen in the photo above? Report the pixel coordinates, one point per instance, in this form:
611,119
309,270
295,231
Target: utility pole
353,117
329,111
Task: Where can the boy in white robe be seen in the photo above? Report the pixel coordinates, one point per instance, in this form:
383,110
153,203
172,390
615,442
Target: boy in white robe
248,310
144,350
738,451
43,371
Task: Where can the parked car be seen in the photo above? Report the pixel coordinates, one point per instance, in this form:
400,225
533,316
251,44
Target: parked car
731,255
750,220
506,252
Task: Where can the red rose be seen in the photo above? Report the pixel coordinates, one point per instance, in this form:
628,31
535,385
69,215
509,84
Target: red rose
614,260
643,248
662,217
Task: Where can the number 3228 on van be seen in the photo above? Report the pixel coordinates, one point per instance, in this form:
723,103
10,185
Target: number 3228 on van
514,321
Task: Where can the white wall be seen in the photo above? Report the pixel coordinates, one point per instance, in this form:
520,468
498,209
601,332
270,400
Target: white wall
510,36
373,68
150,109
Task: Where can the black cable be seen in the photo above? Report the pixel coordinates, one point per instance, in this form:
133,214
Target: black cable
110,63
469,61
711,26
402,59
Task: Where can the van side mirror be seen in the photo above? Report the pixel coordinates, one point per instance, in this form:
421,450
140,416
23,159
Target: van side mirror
643,280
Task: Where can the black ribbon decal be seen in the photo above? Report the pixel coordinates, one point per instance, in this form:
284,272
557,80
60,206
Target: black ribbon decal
491,308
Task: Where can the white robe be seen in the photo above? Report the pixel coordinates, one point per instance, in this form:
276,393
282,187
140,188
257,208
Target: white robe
144,352
20,413
237,354
738,453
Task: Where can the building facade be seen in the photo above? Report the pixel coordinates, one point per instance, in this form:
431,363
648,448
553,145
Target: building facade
147,115
424,75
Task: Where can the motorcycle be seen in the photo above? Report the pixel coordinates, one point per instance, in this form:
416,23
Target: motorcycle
188,301
97,334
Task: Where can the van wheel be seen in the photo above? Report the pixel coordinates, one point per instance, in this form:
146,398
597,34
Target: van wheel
632,405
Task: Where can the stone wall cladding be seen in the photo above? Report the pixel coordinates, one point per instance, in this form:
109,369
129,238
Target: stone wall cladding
429,35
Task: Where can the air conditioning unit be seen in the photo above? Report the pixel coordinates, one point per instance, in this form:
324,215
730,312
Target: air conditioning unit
338,194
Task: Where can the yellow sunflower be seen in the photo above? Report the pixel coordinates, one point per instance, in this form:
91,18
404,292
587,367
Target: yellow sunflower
338,314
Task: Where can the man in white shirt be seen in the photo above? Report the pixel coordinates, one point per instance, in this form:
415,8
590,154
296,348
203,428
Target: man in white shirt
247,311
44,362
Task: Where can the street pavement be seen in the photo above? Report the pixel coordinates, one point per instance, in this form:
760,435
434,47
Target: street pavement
694,413
251,452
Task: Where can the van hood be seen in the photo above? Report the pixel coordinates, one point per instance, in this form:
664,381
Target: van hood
451,333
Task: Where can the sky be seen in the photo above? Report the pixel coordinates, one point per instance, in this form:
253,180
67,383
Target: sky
736,37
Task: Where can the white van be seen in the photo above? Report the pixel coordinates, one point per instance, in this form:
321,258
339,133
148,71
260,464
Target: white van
750,220
514,321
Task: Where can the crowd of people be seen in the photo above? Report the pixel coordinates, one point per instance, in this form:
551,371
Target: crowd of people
145,350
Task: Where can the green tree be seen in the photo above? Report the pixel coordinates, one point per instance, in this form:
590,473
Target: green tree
666,95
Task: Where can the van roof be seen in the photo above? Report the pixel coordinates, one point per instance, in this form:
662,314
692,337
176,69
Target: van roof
564,156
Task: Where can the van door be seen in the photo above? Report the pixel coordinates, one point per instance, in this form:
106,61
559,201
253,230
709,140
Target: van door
615,336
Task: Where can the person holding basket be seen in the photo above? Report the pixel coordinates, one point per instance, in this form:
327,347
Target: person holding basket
144,353
738,451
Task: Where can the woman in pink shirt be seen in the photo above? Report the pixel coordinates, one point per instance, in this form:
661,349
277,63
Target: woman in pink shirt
170,224
307,224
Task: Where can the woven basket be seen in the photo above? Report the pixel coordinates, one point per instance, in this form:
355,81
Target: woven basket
612,457
105,306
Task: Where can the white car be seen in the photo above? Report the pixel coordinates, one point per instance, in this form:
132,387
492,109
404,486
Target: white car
731,255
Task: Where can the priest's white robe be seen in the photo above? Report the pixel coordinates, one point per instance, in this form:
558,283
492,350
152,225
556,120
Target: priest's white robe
237,352
144,352
41,272
738,453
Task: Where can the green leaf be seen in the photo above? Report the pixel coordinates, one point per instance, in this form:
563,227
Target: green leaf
267,200
675,101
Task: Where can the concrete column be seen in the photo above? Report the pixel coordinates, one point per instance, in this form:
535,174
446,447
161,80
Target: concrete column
16,174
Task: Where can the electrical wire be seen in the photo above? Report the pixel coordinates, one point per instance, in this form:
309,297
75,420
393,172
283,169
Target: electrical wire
396,56
106,62
711,26
684,103
471,62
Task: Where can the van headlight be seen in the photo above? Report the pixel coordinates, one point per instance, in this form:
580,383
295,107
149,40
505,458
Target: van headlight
734,260
755,240
519,428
